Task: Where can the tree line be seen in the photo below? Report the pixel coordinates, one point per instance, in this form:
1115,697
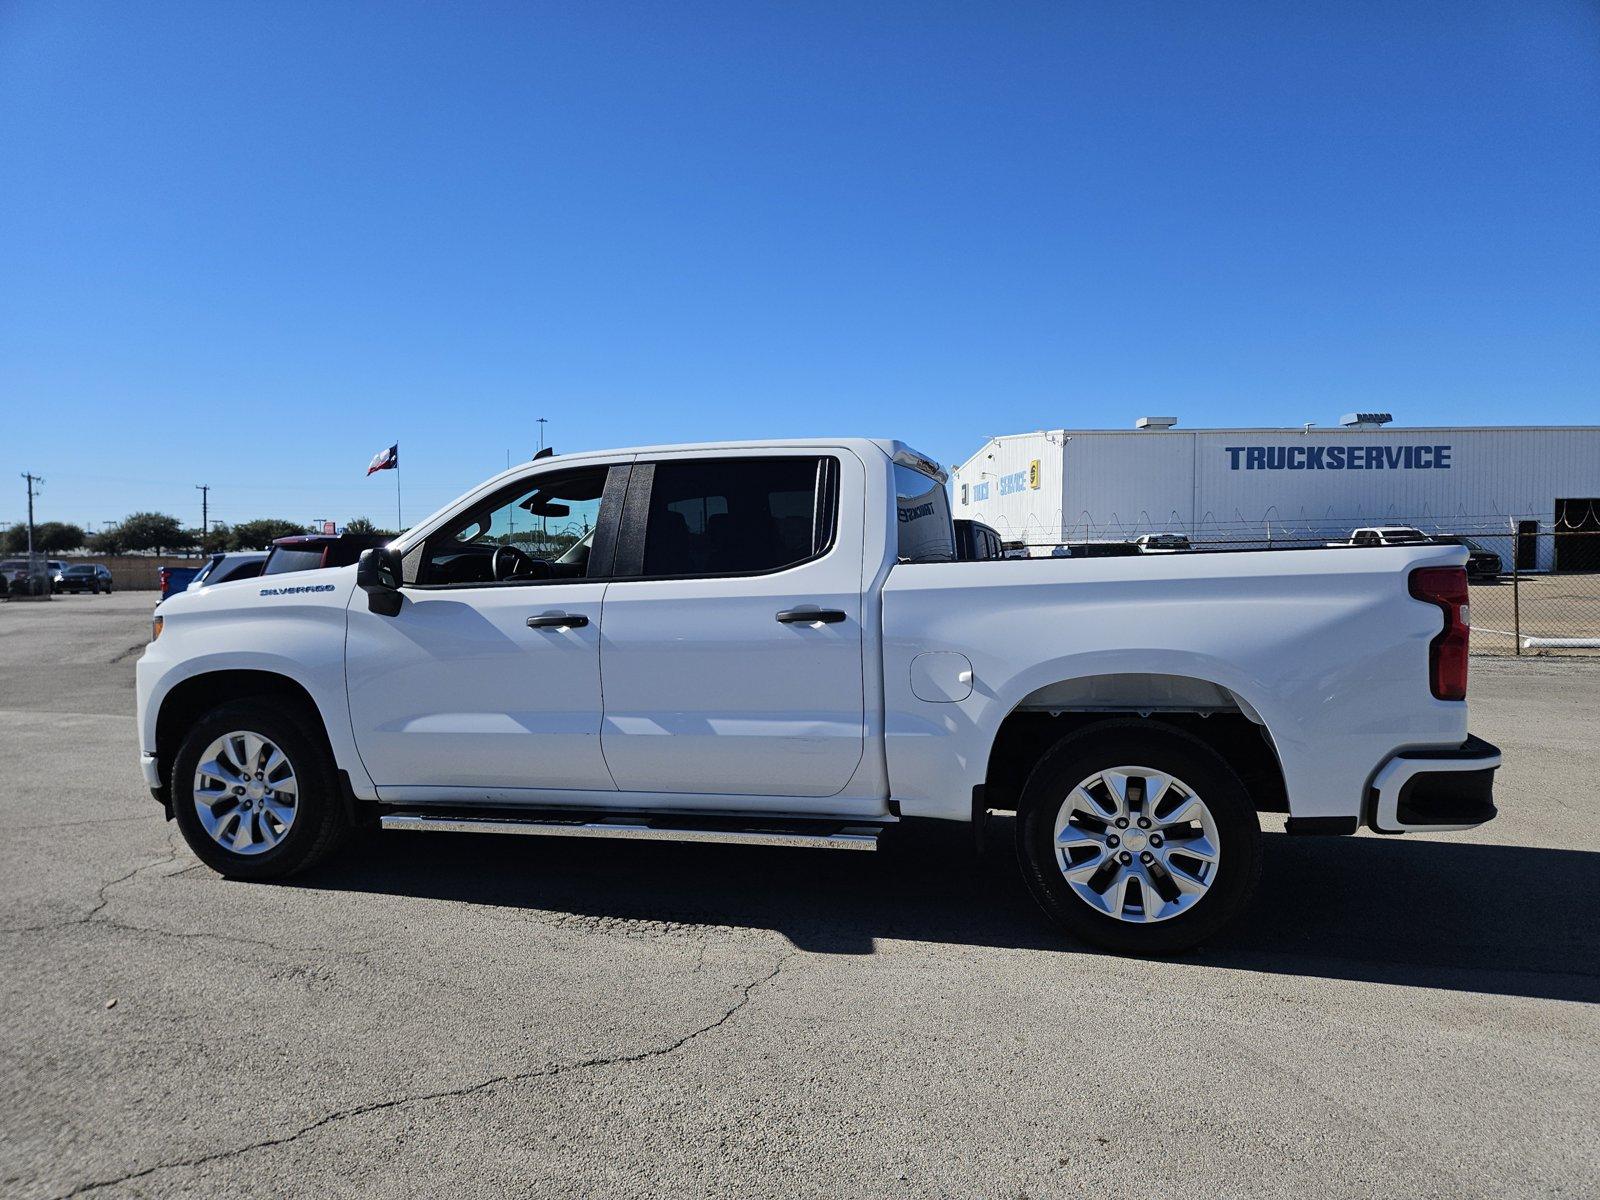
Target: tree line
157,532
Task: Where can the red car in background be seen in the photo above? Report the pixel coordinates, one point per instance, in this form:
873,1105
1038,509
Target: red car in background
311,551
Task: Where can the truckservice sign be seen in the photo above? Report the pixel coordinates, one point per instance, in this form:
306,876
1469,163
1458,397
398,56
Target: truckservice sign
1010,485
1338,458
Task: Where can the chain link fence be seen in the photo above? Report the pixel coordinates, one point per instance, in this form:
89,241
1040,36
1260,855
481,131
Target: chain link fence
1524,610
1532,591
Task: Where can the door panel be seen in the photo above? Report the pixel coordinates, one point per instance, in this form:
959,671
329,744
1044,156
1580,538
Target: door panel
475,683
706,691
456,690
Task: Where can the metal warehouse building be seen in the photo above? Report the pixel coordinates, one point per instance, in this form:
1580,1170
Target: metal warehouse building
1515,484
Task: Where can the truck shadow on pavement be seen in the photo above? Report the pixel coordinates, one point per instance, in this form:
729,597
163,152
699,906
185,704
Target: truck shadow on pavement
1509,920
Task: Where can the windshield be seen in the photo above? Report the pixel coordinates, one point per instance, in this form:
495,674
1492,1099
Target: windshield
80,570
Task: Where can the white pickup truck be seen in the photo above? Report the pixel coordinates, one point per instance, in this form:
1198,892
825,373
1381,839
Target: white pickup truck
774,643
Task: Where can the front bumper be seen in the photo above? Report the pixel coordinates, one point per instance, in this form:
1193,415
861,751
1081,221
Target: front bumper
152,778
1434,790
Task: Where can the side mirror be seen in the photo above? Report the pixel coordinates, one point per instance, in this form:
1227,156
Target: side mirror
378,574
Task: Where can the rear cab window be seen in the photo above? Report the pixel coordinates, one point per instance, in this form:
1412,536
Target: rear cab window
927,534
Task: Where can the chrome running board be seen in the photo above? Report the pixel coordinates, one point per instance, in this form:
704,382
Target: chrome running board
823,835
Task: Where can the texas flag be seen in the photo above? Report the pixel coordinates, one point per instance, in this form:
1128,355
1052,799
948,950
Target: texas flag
385,460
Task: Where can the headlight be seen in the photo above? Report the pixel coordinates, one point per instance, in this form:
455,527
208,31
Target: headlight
155,627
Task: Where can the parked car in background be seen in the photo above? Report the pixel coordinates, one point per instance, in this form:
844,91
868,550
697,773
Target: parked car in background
1162,543
1483,564
86,577
14,576
313,551
224,568
977,542
1385,535
176,579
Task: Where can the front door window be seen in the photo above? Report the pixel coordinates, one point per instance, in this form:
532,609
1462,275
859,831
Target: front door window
530,532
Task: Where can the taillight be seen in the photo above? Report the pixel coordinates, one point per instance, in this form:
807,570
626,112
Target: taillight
1447,653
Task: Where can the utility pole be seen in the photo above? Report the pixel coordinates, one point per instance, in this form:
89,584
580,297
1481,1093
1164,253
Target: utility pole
541,432
205,511
32,480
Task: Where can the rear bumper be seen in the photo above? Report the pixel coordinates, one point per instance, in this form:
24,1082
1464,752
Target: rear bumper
1434,790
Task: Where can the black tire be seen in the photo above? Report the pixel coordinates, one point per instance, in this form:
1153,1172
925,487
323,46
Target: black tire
1144,743
321,819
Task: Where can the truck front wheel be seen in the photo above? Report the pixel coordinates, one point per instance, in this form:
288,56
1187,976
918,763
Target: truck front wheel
255,792
1138,837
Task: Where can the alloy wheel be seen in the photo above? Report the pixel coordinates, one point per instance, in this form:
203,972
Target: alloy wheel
245,792
1137,844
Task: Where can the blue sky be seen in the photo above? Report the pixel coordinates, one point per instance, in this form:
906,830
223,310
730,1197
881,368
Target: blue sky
251,244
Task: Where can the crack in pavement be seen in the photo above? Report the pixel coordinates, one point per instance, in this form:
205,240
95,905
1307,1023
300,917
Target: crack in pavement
136,648
101,897
93,917
483,1085
206,935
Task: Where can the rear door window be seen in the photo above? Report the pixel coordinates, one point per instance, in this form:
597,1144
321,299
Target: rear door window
738,516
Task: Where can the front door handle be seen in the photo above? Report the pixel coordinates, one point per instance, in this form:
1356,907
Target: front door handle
558,620
809,616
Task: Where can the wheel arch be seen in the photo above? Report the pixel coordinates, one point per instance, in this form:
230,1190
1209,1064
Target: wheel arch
1207,709
190,698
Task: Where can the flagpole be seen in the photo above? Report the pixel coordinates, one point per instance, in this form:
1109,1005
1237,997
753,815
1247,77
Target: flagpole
398,519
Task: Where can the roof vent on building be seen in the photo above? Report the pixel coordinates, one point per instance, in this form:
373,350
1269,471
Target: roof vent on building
1365,420
1155,422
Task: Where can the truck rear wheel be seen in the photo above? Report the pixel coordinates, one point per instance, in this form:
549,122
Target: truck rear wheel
255,792
1138,837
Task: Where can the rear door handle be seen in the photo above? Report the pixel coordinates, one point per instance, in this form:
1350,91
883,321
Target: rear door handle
558,620
808,616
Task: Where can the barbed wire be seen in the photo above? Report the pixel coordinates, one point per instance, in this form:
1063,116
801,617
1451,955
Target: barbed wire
1087,526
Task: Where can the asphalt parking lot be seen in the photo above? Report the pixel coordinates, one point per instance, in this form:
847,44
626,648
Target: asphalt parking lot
463,1016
